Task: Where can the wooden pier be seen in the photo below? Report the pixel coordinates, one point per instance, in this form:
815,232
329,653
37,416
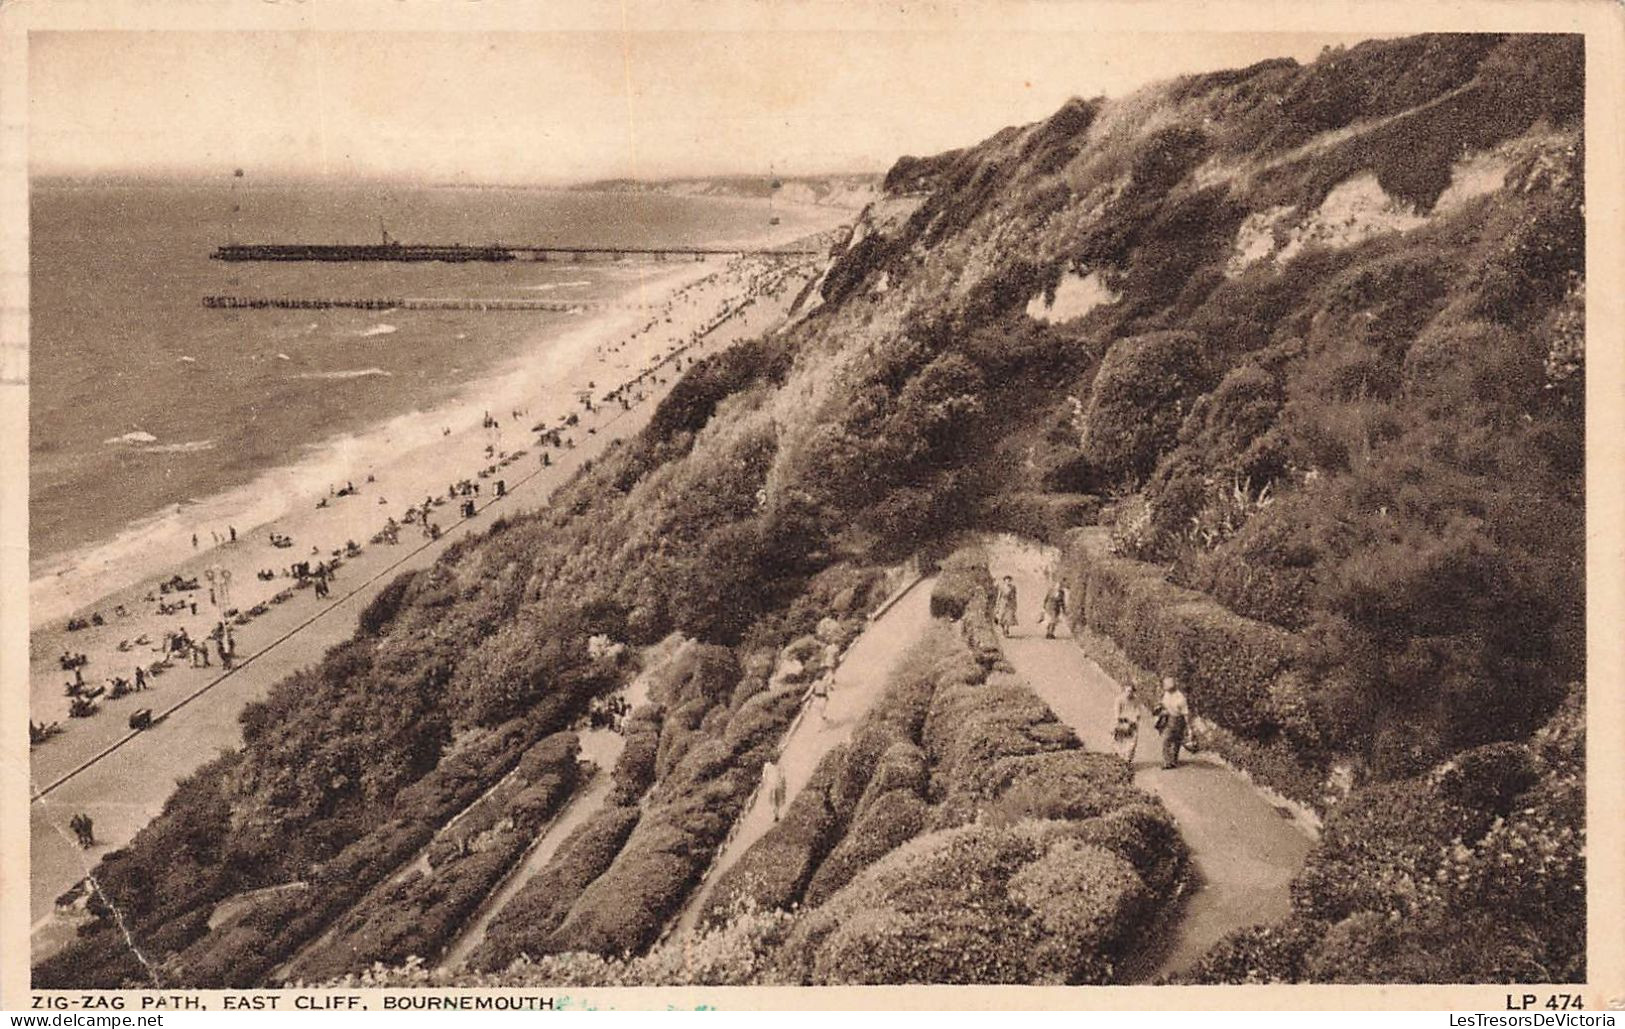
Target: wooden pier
493,252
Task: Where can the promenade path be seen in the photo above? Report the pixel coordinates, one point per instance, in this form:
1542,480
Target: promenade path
1244,849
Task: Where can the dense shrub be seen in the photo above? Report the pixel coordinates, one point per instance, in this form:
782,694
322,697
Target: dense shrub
977,904
962,580
418,915
1058,784
526,921
891,819
774,872
1140,398
1041,516
971,729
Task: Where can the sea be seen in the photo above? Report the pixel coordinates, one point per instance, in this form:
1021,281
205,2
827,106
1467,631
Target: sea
150,413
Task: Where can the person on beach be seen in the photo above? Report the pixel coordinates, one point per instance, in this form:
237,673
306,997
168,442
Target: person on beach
1173,721
194,541
1126,727
233,529
1004,605
1053,607
140,678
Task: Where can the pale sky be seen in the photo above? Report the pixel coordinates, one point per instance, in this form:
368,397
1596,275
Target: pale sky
505,107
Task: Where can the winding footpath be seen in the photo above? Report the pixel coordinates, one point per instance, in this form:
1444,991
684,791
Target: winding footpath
1244,849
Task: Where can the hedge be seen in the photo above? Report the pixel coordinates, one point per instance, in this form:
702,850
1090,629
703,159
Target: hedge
1041,516
970,729
1234,669
417,916
526,921
1027,903
962,581
244,953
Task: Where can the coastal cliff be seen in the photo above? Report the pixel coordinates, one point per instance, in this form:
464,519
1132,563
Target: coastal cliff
1305,341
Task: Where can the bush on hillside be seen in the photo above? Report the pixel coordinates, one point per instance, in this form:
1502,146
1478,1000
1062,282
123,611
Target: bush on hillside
977,904
970,729
1063,784
525,922
774,871
962,580
884,823
1139,400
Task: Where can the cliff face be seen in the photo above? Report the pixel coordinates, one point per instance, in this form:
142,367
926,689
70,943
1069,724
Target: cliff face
1311,337
1317,330
847,191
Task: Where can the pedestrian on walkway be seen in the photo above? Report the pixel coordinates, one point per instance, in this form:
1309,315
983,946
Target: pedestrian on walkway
1173,721
773,784
818,694
1126,730
1053,608
1004,605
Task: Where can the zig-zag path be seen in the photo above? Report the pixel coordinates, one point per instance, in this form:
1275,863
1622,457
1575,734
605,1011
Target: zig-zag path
1244,849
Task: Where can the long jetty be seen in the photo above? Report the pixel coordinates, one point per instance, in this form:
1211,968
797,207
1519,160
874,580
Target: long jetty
497,252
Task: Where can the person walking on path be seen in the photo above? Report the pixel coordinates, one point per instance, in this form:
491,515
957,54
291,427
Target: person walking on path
1173,721
1004,605
1126,730
1053,608
818,693
773,783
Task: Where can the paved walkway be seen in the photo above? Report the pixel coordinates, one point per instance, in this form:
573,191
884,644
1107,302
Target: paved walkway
1244,849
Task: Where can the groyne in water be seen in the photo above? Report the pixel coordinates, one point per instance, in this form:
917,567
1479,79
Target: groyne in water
414,303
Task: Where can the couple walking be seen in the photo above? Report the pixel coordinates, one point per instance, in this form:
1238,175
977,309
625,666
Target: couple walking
1051,610
1172,718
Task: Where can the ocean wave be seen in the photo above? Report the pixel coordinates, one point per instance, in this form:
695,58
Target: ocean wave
381,329
349,373
132,437
189,447
559,285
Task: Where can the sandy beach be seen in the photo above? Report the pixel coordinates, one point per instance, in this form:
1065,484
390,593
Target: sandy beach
100,766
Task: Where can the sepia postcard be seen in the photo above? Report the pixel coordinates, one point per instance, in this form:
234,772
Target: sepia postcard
513,506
